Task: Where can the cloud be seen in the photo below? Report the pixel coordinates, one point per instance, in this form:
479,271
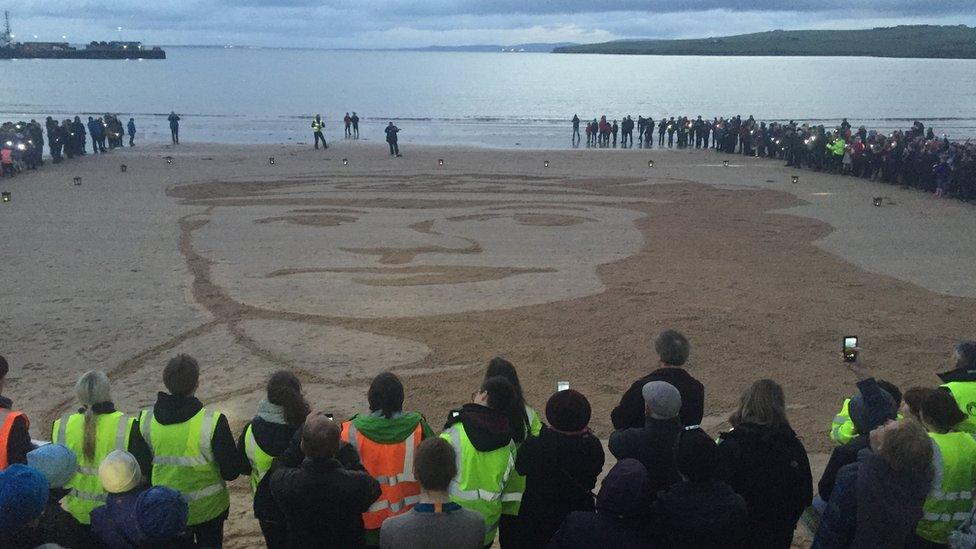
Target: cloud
411,23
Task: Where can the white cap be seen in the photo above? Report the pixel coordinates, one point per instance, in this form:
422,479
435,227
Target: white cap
119,472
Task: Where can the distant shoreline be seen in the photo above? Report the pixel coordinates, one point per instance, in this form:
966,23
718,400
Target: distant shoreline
903,42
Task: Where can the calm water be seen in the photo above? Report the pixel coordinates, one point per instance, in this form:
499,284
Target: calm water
490,99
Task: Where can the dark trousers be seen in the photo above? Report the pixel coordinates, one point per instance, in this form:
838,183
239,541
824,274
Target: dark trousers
318,135
394,148
660,139
275,534
175,134
208,535
355,131
132,138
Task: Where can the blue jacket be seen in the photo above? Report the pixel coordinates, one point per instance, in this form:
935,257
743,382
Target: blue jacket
95,129
132,127
114,524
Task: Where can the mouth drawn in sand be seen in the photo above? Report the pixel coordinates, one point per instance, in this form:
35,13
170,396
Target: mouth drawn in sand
419,275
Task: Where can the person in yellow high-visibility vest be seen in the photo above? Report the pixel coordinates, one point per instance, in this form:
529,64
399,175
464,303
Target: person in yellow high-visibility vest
950,499
842,429
961,382
531,424
317,128
93,432
193,450
485,440
267,436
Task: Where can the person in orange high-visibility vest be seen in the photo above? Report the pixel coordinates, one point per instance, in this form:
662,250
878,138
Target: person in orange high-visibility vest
15,440
387,439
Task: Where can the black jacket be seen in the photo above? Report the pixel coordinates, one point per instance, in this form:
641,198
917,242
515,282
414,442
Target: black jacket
693,515
170,410
560,474
275,439
487,429
265,508
768,467
653,446
630,411
19,442
323,503
841,456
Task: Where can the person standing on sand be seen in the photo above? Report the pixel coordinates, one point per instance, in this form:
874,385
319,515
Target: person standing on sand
266,437
317,127
672,348
391,139
576,133
355,125
15,441
174,127
347,121
185,458
132,132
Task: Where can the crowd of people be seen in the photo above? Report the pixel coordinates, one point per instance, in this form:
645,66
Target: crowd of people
915,157
902,473
22,143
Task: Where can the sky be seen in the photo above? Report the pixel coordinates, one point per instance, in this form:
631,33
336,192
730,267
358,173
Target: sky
418,23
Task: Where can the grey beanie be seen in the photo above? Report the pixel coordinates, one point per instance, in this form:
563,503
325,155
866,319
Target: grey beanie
661,399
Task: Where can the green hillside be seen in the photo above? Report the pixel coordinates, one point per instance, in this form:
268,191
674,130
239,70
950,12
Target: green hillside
920,41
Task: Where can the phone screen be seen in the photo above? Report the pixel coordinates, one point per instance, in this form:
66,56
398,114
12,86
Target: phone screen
850,344
562,385
455,413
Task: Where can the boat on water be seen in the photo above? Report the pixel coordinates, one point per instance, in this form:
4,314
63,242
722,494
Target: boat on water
63,50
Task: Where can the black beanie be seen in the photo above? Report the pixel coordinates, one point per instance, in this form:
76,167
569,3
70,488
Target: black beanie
696,456
568,411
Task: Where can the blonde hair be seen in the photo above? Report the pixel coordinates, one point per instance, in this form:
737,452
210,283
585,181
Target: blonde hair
92,388
763,403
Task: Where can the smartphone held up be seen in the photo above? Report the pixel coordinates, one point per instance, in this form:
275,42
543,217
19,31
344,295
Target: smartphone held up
850,348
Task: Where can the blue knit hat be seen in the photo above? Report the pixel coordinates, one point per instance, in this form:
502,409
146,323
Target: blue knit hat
161,513
56,461
23,495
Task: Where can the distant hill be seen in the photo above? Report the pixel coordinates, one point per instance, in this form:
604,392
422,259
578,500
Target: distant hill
917,41
534,47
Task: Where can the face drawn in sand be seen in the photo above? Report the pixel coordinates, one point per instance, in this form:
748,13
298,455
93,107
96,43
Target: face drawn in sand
403,262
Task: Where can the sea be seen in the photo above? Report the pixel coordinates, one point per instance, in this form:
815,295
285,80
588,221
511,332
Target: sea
497,100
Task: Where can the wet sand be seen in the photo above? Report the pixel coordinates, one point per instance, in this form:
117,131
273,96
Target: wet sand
339,272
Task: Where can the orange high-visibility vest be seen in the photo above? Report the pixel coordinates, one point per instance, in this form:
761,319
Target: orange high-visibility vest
7,420
392,466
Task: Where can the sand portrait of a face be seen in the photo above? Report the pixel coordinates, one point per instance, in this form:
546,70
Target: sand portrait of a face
367,262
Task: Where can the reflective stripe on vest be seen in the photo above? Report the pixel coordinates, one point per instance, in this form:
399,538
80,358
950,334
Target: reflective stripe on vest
949,501
400,491
183,460
259,459
85,488
484,485
7,419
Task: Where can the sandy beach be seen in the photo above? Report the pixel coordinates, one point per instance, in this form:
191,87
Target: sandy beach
343,263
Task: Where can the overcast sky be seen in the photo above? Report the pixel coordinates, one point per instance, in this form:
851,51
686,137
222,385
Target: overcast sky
412,23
